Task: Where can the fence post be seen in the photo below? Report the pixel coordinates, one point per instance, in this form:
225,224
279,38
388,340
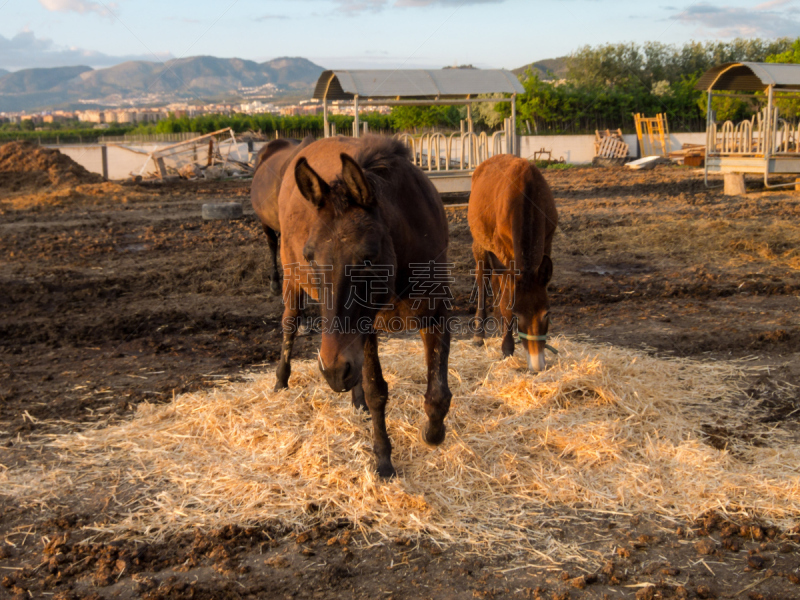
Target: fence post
104,159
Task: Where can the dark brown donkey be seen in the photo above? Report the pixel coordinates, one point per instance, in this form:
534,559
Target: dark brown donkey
512,217
359,223
270,168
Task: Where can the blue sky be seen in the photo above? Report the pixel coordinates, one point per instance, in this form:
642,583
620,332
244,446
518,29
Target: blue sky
364,33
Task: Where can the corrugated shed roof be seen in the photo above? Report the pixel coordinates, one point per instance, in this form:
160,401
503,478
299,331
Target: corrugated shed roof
750,77
417,83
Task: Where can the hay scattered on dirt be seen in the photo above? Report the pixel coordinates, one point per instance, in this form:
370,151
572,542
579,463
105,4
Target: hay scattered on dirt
728,243
603,429
26,165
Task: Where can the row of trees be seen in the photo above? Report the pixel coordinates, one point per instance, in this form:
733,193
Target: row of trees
267,124
605,85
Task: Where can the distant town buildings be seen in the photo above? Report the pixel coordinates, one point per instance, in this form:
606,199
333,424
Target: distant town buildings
136,116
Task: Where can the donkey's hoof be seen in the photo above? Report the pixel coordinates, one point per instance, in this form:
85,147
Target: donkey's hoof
386,471
274,288
478,340
279,385
360,404
433,436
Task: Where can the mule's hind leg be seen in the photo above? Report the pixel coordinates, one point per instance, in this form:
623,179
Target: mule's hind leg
482,280
376,392
437,397
272,261
290,322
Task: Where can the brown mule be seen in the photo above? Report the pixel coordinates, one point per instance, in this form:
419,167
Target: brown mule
512,217
359,223
270,168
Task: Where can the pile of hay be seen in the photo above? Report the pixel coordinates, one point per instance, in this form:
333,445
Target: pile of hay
23,165
602,429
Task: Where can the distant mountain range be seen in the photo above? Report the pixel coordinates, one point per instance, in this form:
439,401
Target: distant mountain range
199,78
203,78
549,68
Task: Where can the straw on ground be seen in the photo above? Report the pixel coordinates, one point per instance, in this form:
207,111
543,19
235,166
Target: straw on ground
603,428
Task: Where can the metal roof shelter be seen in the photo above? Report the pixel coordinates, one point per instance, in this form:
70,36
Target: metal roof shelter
764,144
451,84
418,87
750,77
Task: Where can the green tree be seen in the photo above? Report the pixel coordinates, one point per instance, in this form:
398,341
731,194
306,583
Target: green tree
788,106
404,118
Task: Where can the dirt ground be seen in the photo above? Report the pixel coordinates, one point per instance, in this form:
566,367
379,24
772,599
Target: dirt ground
116,294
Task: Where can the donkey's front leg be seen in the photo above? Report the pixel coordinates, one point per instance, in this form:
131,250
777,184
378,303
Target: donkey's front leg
437,397
506,301
357,397
376,393
291,311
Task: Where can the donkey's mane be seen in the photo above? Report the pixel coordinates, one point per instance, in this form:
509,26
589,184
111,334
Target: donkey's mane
380,155
381,159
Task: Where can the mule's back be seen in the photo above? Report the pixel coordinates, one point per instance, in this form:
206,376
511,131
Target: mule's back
270,168
511,211
409,203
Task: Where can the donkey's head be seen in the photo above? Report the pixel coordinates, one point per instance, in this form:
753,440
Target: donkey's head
352,259
532,310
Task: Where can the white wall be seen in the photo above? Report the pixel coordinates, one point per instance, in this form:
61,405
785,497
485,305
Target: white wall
122,162
576,149
579,149
89,156
678,139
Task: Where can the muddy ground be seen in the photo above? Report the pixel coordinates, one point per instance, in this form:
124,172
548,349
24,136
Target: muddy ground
113,295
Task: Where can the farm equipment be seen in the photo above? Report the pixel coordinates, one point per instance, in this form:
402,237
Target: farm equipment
215,155
544,157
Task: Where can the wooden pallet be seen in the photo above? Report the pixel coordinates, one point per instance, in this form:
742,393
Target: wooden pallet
612,147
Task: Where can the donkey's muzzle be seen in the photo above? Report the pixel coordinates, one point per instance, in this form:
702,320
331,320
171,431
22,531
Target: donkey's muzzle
342,376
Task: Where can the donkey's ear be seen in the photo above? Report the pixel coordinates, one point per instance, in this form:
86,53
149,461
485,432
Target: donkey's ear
355,182
545,271
311,185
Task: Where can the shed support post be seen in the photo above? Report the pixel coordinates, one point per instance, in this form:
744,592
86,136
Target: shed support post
710,144
356,123
104,158
514,149
768,133
326,127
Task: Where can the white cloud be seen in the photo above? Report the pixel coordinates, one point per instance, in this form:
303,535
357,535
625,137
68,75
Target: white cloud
78,6
773,4
768,19
357,6
446,2
25,50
